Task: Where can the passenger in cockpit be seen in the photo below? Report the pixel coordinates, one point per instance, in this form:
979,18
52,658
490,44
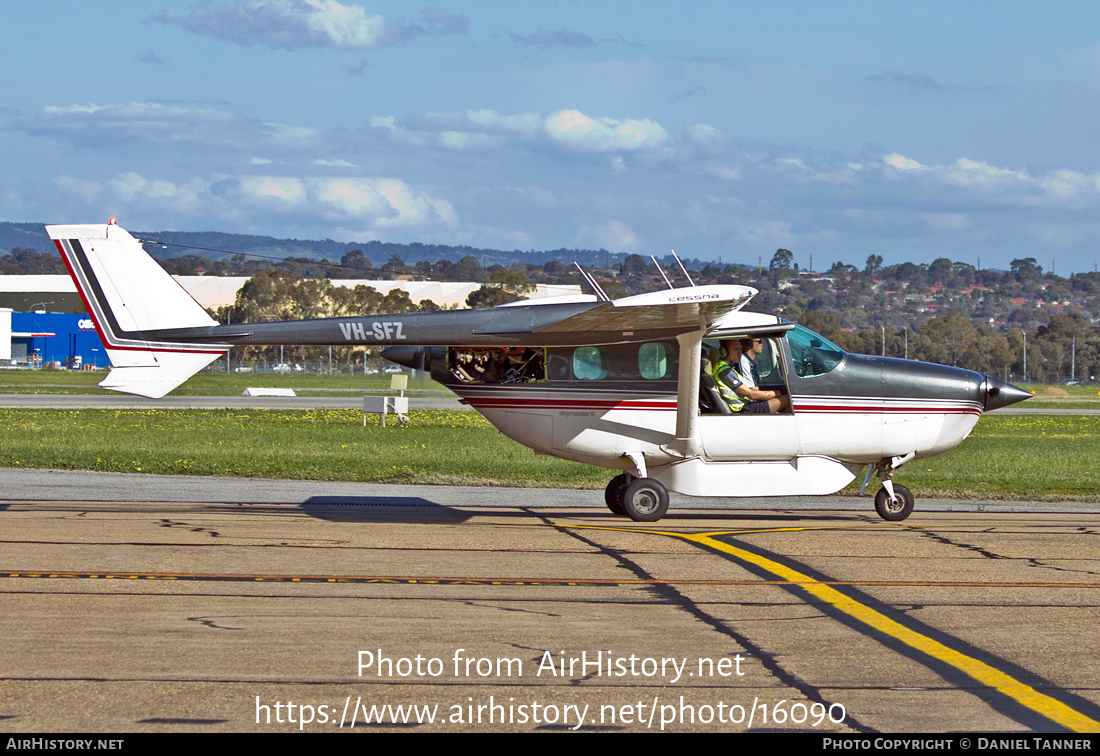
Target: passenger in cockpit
735,373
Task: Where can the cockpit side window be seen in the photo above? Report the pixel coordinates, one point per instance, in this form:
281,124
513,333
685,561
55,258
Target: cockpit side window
811,353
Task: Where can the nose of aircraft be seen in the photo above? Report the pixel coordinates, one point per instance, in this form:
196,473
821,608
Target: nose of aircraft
1000,394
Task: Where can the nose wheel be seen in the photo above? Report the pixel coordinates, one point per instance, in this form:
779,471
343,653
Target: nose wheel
897,507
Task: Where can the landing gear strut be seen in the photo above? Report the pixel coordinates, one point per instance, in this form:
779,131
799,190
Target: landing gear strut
894,502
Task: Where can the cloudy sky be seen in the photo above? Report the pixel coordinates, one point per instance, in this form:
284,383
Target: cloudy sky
720,129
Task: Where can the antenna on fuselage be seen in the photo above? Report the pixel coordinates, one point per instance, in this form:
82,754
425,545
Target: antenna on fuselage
592,282
681,264
654,259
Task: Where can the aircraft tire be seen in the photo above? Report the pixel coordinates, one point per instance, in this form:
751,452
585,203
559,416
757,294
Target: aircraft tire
613,494
645,500
894,511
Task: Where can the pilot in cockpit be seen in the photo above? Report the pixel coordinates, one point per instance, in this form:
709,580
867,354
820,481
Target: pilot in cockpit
734,372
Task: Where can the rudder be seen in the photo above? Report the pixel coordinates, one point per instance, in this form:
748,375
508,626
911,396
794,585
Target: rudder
130,297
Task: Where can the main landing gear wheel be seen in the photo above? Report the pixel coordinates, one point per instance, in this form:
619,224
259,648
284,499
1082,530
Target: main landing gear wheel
613,494
897,510
645,500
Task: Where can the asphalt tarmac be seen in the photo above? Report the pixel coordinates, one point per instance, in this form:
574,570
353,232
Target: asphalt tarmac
177,604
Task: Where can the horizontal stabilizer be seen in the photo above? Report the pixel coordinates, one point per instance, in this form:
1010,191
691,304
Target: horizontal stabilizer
154,381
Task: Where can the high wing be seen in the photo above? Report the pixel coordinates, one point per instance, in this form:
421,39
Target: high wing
157,336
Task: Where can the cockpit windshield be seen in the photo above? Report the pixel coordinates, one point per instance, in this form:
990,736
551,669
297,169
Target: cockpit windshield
812,353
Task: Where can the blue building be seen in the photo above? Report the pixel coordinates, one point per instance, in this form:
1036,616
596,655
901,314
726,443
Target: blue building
70,336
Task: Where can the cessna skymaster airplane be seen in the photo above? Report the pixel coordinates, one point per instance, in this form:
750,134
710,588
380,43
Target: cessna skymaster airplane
620,384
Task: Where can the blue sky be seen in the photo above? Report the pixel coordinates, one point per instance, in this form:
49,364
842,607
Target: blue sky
726,129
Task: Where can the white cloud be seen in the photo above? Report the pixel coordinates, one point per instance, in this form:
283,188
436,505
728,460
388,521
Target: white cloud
378,202
722,171
292,24
577,131
280,191
707,136
159,123
484,129
800,171
338,163
391,202
85,190
526,124
613,235
1058,188
259,161
902,163
464,140
400,134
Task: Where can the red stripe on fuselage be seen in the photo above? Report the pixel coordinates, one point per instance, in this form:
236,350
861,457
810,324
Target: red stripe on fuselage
588,404
878,410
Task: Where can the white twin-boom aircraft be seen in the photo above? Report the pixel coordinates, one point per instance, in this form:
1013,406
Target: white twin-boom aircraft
622,384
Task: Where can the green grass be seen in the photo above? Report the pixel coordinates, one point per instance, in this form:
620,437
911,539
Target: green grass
1017,457
1014,457
437,447
208,383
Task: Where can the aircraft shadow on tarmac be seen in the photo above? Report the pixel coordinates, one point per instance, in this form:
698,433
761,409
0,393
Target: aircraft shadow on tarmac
381,509
415,508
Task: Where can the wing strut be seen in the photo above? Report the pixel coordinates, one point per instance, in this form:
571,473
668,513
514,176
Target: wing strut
592,282
687,442
654,259
681,264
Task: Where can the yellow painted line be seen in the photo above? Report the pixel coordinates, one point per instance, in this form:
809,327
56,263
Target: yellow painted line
983,673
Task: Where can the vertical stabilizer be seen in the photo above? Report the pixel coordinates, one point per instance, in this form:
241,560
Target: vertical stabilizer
130,297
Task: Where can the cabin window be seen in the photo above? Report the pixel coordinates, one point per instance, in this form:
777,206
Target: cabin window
497,364
590,363
655,361
812,353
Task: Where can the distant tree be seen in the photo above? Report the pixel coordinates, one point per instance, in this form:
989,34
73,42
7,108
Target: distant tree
826,324
874,265
633,265
940,270
396,266
466,269
502,287
1025,267
29,262
949,340
397,301
781,260
356,259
